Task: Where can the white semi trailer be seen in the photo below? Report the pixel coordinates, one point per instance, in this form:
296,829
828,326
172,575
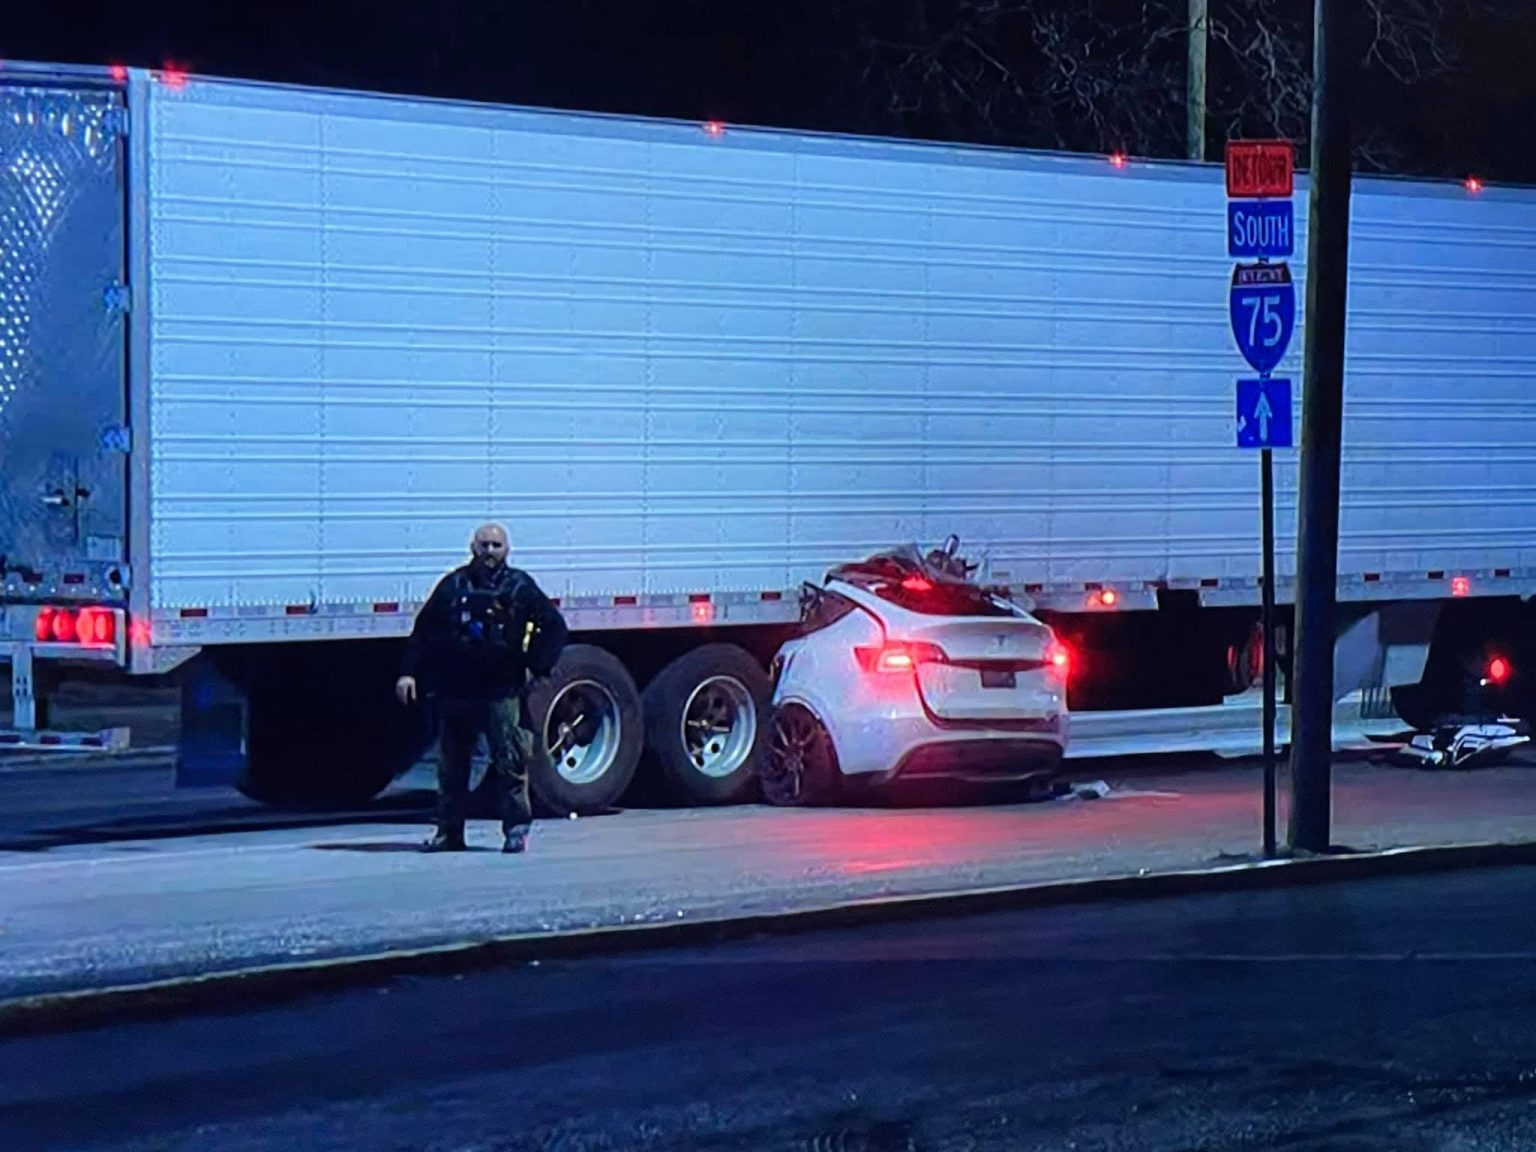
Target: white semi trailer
269,353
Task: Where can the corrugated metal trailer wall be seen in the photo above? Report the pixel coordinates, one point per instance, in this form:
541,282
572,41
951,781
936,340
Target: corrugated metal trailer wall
680,361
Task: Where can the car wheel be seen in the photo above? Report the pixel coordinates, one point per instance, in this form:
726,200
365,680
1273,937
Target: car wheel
704,723
800,766
587,727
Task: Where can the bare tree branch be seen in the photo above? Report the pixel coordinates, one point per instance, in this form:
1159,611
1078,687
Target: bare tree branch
1079,75
1044,73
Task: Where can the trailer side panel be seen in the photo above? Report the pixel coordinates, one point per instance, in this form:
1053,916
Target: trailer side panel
680,363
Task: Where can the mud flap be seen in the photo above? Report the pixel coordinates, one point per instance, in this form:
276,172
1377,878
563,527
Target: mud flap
210,751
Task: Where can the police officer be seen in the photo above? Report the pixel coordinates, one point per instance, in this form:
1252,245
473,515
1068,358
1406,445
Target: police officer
484,630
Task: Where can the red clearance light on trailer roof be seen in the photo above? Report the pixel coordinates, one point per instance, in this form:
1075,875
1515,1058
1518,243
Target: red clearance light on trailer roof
119,73
1498,670
1118,160
1473,185
714,128
173,76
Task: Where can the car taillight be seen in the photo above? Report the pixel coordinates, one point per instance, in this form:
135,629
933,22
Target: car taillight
1060,657
42,628
897,658
1498,670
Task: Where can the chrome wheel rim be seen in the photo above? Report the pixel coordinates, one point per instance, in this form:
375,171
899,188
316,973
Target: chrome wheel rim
582,731
719,727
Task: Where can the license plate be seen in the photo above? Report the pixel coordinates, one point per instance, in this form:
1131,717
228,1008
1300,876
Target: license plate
999,680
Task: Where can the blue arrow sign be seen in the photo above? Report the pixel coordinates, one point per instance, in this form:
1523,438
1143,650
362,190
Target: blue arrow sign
1264,413
1263,309
1261,229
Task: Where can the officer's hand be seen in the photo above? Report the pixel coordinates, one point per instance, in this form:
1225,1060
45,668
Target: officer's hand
405,689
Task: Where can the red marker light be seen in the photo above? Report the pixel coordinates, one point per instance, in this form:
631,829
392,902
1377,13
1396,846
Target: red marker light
173,77
119,74
96,626
1460,586
62,625
1498,670
714,128
1117,160
43,627
1109,597
1473,185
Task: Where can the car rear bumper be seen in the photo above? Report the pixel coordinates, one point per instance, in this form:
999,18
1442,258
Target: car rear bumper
903,743
988,760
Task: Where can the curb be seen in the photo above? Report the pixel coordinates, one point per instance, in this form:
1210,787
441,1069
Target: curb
77,760
250,987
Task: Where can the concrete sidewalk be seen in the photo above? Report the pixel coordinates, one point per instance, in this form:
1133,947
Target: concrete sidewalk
101,915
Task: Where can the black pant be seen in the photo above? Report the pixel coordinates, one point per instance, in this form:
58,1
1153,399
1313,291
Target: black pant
510,745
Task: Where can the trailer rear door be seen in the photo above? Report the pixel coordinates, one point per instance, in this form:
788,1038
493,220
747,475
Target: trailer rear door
63,443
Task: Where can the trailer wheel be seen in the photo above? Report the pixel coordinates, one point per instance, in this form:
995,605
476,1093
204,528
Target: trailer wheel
588,732
705,720
313,745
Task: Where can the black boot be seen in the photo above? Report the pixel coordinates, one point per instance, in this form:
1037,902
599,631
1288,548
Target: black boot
445,841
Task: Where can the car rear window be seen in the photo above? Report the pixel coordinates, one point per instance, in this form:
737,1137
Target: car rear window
940,598
930,586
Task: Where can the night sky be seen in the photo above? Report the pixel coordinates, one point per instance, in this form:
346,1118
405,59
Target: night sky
875,66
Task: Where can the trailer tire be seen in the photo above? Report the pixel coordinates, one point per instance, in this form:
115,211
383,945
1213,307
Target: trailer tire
724,688
317,747
588,733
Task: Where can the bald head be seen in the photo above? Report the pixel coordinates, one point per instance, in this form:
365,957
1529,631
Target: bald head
489,545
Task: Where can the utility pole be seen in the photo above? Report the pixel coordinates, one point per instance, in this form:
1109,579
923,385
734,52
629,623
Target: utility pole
1317,528
1195,99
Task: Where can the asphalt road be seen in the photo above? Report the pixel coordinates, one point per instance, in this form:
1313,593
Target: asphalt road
135,797
1392,1016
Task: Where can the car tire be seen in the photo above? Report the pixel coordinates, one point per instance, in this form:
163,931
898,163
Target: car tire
799,766
588,735
705,720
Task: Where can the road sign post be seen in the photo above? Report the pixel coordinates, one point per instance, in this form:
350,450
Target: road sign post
1262,309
